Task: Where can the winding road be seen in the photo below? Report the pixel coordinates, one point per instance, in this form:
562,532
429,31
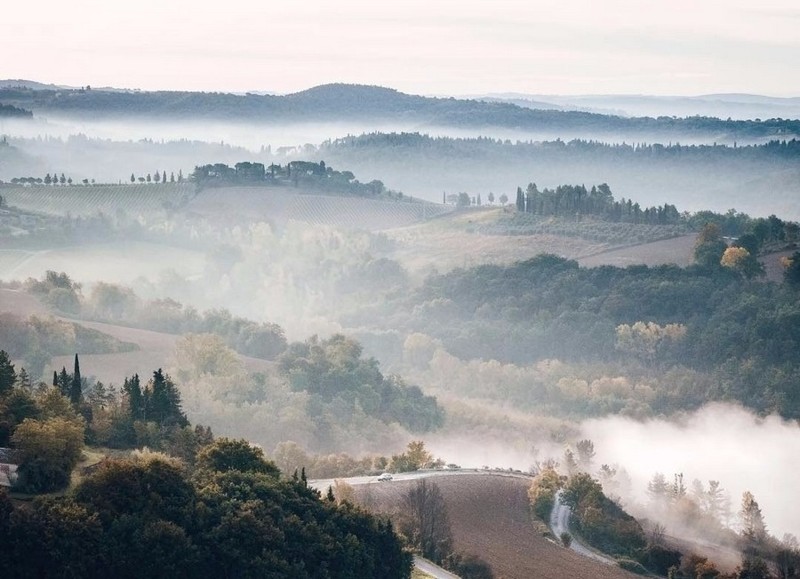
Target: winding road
559,523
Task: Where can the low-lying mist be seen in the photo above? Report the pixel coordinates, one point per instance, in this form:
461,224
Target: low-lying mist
718,442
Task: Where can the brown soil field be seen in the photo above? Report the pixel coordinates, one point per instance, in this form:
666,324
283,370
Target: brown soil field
677,250
490,518
772,264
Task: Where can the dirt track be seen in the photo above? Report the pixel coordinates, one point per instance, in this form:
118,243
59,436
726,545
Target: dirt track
489,517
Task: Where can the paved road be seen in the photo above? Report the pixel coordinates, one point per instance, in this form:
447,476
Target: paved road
432,569
559,523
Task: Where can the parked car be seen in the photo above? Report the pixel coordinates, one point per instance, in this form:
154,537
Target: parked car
385,477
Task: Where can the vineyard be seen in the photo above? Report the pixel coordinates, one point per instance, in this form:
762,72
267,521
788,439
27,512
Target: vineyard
81,201
280,205
614,233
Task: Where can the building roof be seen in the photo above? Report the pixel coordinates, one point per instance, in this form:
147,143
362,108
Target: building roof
7,456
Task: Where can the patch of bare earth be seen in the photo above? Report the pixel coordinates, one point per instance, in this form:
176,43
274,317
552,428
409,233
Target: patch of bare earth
490,518
677,250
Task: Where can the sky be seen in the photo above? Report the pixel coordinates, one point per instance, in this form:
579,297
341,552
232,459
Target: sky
437,47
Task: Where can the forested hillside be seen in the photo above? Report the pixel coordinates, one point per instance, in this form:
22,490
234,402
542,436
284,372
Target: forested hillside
679,337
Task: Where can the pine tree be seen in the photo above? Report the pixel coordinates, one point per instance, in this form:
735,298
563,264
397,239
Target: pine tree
329,496
55,379
754,529
164,177
24,380
136,406
133,178
172,177
64,382
76,388
7,374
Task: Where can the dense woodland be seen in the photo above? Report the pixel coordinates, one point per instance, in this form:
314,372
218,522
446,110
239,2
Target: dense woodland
209,508
679,337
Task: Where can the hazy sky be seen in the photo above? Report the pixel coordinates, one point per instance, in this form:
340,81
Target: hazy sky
419,46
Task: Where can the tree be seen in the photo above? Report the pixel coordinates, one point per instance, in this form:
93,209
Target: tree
47,179
225,454
136,404
426,523
586,453
754,530
149,178
742,261
172,177
503,199
157,177
163,401
62,179
791,273
164,177
542,492
491,197
76,387
133,178
7,374
48,450
709,246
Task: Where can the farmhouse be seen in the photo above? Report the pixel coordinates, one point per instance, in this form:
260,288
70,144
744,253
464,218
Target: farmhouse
8,467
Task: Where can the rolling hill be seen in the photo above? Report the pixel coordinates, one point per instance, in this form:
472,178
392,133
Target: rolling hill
336,102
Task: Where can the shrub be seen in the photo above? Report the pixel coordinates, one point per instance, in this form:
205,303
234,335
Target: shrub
632,566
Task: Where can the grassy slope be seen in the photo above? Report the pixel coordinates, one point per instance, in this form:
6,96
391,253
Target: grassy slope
155,348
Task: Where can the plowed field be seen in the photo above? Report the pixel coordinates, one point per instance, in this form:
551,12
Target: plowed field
489,517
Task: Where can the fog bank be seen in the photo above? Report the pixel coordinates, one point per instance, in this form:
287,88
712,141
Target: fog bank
718,442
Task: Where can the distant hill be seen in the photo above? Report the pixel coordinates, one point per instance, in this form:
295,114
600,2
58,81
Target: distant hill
723,106
337,102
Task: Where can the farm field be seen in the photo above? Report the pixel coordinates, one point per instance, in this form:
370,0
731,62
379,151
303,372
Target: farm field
79,200
489,515
235,205
677,250
155,348
457,241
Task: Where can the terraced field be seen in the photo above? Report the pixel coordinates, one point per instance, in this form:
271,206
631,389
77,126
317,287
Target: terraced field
79,200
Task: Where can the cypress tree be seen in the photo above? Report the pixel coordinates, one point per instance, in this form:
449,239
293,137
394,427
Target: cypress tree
76,390
55,379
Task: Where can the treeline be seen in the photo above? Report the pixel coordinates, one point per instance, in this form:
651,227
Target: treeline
10,111
317,176
575,201
785,149
334,372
